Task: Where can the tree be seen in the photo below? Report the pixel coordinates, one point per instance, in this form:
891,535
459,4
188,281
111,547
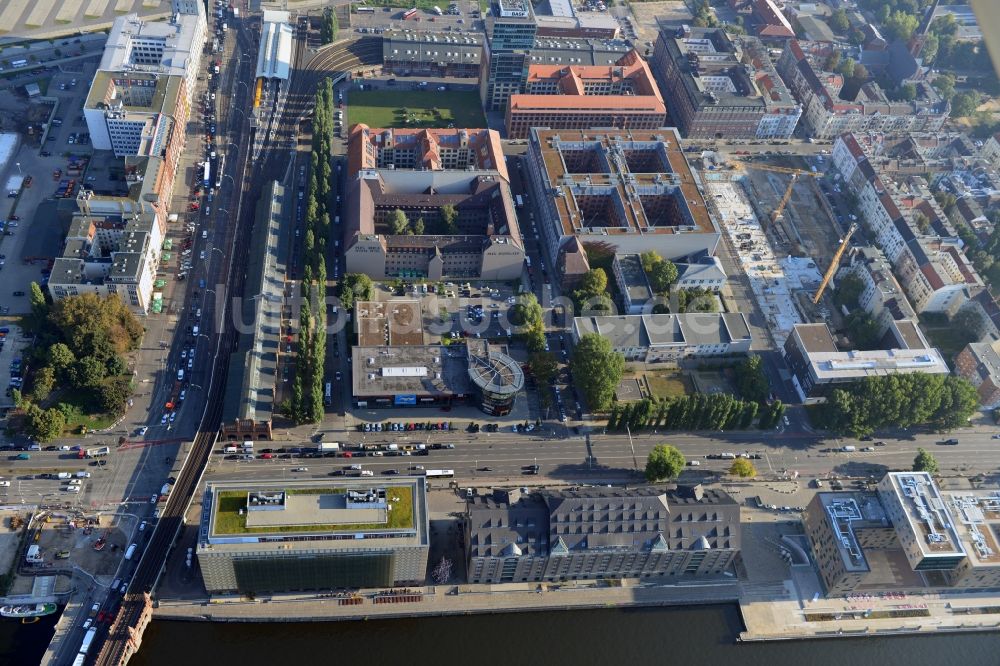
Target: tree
43,425
945,85
83,320
751,381
964,104
742,468
544,366
662,276
860,72
527,312
664,462
61,358
838,21
925,462
39,306
329,26
442,571
398,222
900,25
846,68
597,369
906,92
116,365
832,61
594,282
449,219
863,330
848,290
42,384
113,393
88,372
418,227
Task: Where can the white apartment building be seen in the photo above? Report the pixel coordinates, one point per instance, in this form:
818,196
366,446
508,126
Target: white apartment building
669,338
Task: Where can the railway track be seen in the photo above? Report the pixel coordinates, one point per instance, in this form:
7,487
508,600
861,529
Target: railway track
247,178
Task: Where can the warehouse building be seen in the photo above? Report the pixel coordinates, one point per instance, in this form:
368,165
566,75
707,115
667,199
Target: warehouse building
261,537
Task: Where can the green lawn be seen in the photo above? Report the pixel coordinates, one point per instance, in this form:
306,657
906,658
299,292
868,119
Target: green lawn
667,384
385,108
229,521
81,413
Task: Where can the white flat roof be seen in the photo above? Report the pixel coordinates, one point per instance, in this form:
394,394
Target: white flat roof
274,58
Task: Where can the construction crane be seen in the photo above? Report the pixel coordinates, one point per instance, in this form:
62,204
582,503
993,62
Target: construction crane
834,263
776,213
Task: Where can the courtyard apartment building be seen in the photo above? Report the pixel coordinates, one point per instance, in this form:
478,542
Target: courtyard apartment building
600,533
577,97
630,189
930,262
826,115
818,366
419,172
908,535
718,86
263,537
670,338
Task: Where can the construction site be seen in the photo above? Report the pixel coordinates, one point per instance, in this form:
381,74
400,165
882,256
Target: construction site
786,236
47,544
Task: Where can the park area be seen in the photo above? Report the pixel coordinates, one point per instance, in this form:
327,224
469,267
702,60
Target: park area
424,108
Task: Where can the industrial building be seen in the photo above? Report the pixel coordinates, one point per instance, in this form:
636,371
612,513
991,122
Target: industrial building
420,172
623,96
670,338
262,537
632,190
817,365
436,375
253,368
718,86
431,54
600,533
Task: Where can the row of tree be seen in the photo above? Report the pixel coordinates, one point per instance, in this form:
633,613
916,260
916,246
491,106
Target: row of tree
306,402
446,223
78,360
329,26
862,407
666,462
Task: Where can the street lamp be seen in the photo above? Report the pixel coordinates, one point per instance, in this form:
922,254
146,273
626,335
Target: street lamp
18,164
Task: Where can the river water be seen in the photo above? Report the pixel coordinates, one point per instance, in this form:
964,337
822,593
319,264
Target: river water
693,635
686,636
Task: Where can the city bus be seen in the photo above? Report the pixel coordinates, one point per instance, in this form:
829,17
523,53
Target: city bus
409,13
207,180
440,473
364,10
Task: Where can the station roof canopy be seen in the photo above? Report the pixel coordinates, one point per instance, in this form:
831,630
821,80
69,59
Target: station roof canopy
274,58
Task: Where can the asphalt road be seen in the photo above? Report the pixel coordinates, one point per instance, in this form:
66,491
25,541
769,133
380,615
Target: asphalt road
613,457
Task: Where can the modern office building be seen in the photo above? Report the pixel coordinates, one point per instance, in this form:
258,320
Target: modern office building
669,338
431,54
510,34
631,190
622,96
559,18
261,537
817,365
722,87
170,47
827,115
436,376
909,535
253,368
423,173
600,533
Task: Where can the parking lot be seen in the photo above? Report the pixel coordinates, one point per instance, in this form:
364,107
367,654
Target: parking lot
11,345
466,18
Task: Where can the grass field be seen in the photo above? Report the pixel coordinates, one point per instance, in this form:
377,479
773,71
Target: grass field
229,521
423,108
666,384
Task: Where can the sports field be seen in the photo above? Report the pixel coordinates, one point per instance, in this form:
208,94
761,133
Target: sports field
414,108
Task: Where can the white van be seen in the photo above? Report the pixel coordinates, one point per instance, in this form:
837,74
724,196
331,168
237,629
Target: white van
230,449
130,552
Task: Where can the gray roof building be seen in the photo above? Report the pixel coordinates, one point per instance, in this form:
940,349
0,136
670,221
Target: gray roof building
654,338
601,533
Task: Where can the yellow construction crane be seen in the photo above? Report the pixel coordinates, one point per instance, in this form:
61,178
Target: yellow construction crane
834,263
776,213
